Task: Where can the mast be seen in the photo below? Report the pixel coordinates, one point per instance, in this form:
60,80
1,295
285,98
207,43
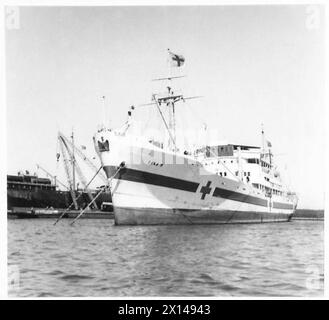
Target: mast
174,123
169,100
64,152
73,162
105,120
157,103
240,171
172,118
172,98
171,105
263,141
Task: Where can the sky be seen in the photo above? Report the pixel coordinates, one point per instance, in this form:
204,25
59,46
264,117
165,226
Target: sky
251,64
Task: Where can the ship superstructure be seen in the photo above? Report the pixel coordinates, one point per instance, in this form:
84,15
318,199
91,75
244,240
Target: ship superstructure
155,182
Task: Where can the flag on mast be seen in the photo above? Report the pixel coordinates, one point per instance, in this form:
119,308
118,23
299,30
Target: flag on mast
269,144
176,59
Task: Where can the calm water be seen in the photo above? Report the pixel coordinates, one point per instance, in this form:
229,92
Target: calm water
95,258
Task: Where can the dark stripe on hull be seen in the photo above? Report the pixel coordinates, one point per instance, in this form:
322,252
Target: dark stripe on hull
179,184
152,178
236,196
156,216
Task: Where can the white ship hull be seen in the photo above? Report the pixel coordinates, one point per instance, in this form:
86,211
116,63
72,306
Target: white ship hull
148,190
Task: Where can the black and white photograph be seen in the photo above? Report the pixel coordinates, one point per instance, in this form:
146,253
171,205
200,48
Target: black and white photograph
164,151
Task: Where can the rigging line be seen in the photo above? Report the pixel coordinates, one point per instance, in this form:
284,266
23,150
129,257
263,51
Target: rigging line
84,183
99,193
196,114
57,153
52,176
83,157
90,203
65,155
164,120
67,209
79,171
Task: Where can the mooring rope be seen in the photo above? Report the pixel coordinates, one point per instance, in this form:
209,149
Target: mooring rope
70,206
122,164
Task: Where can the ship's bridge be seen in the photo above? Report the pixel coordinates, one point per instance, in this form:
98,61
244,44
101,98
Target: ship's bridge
241,161
227,150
